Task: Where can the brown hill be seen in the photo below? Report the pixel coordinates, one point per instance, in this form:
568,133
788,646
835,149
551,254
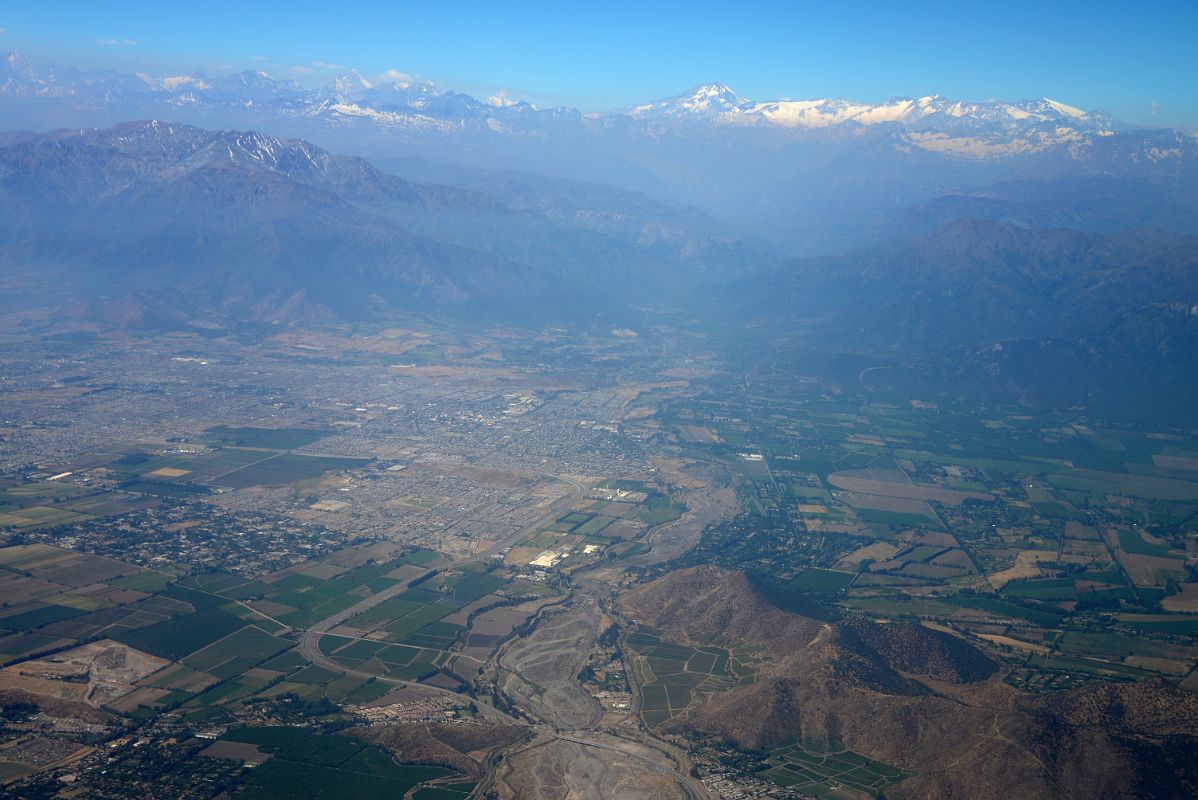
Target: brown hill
923,700
458,747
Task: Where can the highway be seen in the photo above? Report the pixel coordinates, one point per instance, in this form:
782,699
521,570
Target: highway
309,647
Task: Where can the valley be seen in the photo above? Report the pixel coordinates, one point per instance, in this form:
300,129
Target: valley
369,430
743,580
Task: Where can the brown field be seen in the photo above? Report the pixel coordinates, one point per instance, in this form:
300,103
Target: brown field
179,678
169,472
1027,565
891,486
624,529
1151,570
235,751
697,433
144,696
954,558
1165,665
1076,530
931,571
617,509
901,505
1186,600
17,589
489,628
1176,462
85,570
1092,550
320,571
878,551
462,615
32,556
1016,643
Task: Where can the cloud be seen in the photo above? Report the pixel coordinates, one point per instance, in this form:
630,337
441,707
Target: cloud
327,65
3,31
1154,108
260,58
395,76
111,42
303,70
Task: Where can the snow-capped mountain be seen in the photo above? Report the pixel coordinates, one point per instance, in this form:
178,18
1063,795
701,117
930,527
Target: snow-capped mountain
719,104
797,167
422,105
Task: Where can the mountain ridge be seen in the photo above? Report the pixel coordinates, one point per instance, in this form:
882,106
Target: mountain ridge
953,723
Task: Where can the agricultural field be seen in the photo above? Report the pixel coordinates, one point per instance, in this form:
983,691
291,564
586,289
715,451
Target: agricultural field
217,640
302,762
819,769
609,522
1013,530
417,634
671,677
227,466
48,504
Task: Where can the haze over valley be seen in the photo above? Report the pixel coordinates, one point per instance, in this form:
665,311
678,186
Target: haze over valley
361,437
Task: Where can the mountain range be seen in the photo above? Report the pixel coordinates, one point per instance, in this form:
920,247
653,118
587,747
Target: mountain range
805,175
271,230
1052,317
1025,251
153,224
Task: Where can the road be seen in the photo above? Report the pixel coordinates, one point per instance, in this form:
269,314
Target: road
309,647
309,643
577,490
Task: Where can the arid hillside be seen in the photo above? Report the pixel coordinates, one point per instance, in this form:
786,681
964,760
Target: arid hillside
923,700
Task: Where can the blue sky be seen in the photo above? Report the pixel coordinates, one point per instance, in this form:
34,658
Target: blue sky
1136,60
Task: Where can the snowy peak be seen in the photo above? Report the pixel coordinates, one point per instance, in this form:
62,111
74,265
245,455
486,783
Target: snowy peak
706,101
395,101
717,103
351,83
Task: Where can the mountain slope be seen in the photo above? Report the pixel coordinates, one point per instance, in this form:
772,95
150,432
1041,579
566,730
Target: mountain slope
961,730
243,226
807,174
1051,317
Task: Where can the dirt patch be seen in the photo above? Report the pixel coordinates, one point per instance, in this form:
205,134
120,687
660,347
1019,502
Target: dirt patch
95,673
566,770
169,472
1027,565
453,746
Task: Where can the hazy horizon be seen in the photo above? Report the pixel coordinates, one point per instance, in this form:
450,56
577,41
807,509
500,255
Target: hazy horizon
1133,63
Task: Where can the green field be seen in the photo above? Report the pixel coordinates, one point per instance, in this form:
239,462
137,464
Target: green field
179,636
266,438
237,652
821,581
1050,589
306,764
1001,608
815,768
670,674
